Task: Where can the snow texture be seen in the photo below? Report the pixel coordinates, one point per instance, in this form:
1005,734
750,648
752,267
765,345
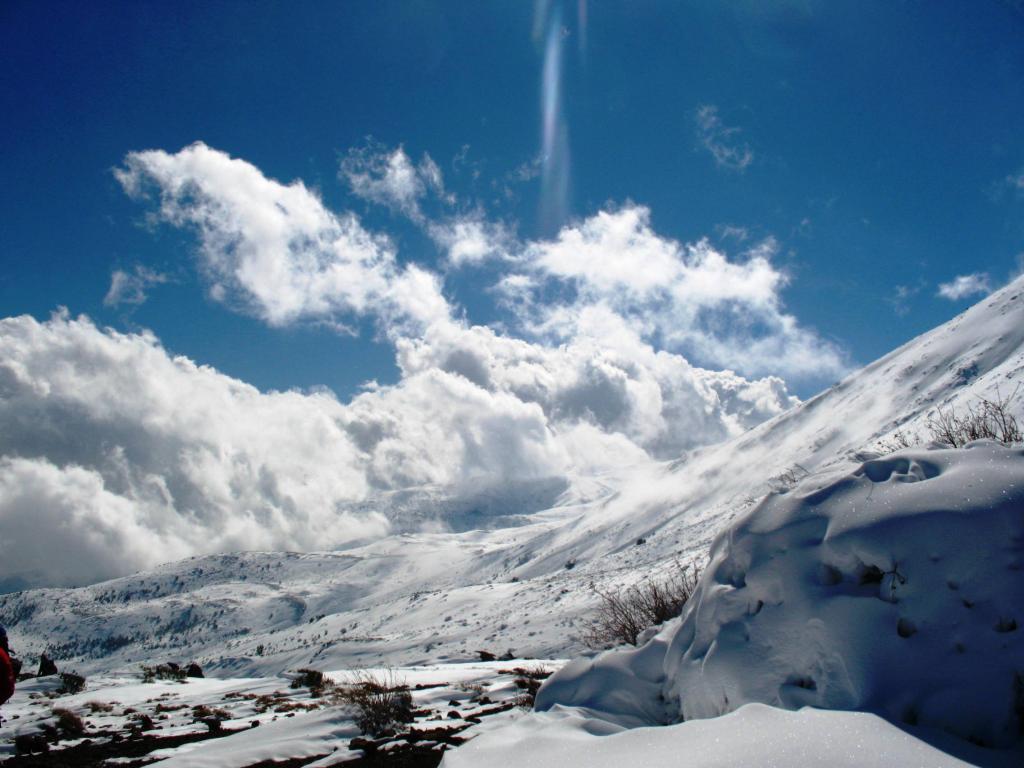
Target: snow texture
754,735
263,718
897,588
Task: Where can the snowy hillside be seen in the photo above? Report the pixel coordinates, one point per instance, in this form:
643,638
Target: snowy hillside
896,588
501,578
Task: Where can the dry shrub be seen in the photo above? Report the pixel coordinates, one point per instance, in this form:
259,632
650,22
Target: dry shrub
140,721
528,681
206,712
379,702
899,440
986,419
313,679
624,613
71,683
163,707
162,672
69,723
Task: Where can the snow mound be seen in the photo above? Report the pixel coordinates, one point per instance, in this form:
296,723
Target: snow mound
897,588
755,735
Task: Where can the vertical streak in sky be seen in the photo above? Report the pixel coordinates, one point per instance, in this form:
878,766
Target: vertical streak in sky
554,129
581,27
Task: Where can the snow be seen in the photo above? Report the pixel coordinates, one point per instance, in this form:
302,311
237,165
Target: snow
896,588
291,723
754,735
309,734
781,618
440,595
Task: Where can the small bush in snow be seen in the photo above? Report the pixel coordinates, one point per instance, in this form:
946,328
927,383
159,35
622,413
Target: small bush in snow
69,723
162,672
623,614
313,679
379,702
528,682
898,441
140,721
71,683
988,419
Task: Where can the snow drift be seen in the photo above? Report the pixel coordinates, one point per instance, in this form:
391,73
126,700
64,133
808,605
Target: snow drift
896,588
755,735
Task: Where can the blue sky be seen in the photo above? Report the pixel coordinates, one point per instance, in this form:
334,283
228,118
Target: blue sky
313,254
879,144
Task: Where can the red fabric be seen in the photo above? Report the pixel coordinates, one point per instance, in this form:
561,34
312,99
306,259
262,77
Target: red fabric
6,676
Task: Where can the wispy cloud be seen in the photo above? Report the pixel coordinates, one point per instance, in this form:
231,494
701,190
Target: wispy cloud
900,298
732,232
723,142
391,178
130,287
963,286
526,171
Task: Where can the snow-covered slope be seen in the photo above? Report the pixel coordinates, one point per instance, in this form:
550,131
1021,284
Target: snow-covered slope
506,578
897,588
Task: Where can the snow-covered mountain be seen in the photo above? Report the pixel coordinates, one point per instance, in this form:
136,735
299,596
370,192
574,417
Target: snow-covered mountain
500,577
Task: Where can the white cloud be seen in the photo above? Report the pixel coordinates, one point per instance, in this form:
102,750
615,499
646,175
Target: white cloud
722,141
963,286
130,287
900,298
605,376
278,252
526,171
145,457
389,177
121,456
471,239
274,249
692,296
730,231
159,457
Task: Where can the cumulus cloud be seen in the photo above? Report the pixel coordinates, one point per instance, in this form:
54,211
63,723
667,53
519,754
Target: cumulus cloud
122,456
722,141
963,286
115,451
130,287
692,296
273,249
607,377
126,456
